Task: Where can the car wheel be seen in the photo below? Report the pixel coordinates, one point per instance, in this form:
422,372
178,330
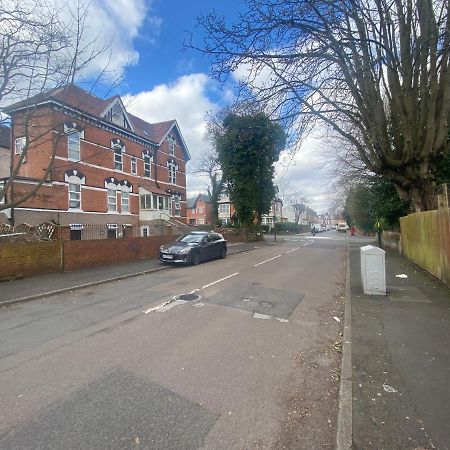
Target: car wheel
196,259
223,253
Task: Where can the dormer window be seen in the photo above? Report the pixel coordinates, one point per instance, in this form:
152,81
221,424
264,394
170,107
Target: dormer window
117,115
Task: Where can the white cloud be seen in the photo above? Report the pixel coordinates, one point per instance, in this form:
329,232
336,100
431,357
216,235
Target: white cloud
185,100
115,24
308,173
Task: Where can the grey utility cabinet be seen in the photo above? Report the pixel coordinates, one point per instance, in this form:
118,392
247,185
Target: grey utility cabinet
373,270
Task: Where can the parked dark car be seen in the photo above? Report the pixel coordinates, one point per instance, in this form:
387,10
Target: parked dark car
193,248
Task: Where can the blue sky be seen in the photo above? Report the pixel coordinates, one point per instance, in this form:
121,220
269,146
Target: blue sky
163,81
162,58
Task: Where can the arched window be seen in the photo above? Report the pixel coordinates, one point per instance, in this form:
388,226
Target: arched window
173,167
119,149
111,184
75,179
171,142
125,188
148,158
74,135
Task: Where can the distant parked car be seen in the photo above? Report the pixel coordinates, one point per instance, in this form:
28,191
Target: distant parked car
194,247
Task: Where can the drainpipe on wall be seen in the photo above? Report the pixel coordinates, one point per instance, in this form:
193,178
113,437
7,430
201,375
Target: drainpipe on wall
156,169
11,170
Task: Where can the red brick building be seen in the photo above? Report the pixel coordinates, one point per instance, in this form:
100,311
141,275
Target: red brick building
110,168
199,210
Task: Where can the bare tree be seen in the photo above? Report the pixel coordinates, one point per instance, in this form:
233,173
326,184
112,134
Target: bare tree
209,166
41,48
374,71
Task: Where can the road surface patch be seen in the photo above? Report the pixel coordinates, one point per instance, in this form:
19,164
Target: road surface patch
258,299
116,411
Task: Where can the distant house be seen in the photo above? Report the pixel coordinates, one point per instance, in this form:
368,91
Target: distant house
275,214
5,150
5,163
199,210
111,168
227,211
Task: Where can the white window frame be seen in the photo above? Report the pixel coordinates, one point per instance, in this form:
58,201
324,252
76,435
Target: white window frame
19,144
133,165
3,198
125,202
147,166
75,196
176,205
154,202
74,146
224,208
112,200
118,158
172,172
171,142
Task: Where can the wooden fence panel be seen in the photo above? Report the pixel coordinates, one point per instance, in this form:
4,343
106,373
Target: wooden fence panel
426,241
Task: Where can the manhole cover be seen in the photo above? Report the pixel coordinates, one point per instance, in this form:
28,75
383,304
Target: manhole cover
187,297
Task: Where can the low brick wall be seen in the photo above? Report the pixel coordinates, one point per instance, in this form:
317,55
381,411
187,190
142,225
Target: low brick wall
25,259
234,237
426,241
31,258
79,254
392,240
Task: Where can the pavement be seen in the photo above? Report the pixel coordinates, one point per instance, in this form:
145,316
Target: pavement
39,286
396,355
400,356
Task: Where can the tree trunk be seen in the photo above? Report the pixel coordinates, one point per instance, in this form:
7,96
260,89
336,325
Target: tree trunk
421,194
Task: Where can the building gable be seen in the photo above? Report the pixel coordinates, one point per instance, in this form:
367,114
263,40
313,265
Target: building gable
116,113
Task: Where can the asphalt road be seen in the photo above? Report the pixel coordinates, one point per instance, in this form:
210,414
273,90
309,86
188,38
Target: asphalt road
252,362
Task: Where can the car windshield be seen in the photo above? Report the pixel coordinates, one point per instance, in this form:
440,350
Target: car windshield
191,238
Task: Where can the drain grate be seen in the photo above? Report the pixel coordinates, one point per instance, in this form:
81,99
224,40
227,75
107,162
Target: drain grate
188,297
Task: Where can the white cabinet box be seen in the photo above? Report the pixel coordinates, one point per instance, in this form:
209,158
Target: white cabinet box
373,271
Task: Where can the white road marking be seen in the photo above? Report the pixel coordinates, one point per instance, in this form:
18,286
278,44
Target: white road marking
218,281
267,260
293,250
267,317
171,305
155,308
305,244
262,316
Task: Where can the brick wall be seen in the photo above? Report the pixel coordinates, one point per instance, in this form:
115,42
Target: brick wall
30,258
97,164
79,254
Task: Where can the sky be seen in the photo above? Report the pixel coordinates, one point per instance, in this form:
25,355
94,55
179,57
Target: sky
163,81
